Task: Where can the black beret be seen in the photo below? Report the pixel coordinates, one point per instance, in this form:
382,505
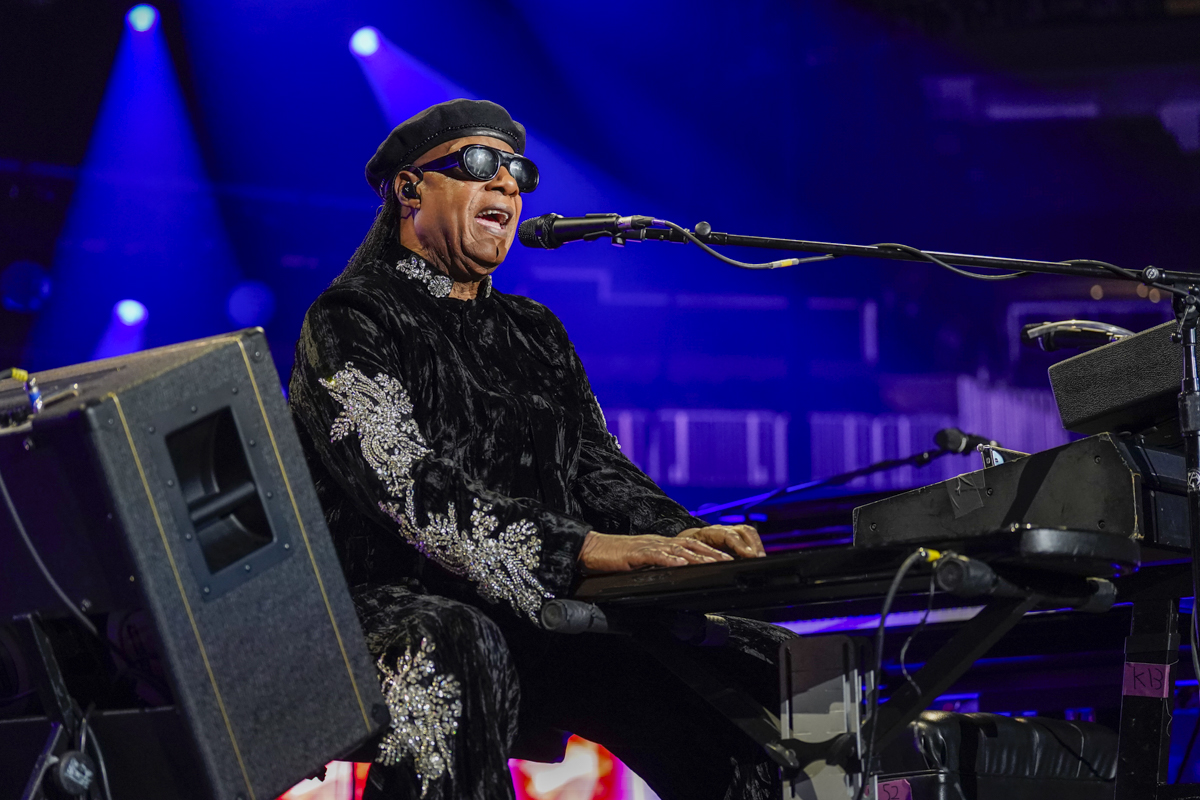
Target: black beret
453,119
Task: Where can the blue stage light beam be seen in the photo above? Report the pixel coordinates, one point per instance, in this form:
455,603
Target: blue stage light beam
126,331
130,313
365,42
143,220
403,86
142,18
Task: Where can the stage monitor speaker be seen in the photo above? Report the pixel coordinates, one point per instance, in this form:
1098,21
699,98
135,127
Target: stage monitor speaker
172,481
1131,385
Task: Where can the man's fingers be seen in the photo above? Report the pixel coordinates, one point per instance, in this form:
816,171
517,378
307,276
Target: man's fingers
608,553
754,540
695,552
677,553
744,539
703,548
741,540
663,556
658,558
735,541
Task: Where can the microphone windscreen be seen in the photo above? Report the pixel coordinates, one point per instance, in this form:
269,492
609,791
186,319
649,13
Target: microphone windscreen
527,233
951,439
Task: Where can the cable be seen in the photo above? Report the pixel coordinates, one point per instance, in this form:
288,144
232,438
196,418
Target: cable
62,595
912,251
787,262
1127,274
87,623
1187,754
95,743
922,256
920,554
1195,636
41,565
14,373
1076,751
915,631
81,740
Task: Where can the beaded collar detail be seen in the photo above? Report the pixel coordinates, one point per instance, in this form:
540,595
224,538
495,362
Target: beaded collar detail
436,283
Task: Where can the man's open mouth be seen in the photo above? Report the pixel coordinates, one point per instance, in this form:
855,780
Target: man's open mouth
494,219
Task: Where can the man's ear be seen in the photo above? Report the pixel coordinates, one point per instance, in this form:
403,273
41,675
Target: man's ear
405,187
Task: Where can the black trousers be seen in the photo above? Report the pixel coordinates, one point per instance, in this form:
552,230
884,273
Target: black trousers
464,686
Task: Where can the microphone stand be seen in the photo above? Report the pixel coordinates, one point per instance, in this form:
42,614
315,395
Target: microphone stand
744,505
830,250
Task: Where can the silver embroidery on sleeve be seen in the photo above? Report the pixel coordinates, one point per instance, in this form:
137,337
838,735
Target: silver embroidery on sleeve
425,708
501,565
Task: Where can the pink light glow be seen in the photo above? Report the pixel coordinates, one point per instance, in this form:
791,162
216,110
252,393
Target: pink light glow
587,772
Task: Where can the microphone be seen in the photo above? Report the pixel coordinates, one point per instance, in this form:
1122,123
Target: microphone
955,441
1079,334
552,230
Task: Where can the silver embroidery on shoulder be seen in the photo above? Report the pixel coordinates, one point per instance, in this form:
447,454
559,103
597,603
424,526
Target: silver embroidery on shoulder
425,708
501,565
439,285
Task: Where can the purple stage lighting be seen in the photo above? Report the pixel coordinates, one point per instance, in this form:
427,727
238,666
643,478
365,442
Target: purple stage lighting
24,286
251,303
365,41
130,312
142,17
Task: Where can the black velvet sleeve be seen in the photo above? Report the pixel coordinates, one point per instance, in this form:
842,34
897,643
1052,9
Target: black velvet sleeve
616,496
352,390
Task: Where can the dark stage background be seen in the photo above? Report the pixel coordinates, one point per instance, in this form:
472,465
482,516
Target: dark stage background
210,169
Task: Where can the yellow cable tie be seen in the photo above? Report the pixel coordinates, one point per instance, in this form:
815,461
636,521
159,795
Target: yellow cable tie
20,375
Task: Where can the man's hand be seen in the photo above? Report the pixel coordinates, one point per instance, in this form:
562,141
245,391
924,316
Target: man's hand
739,540
606,552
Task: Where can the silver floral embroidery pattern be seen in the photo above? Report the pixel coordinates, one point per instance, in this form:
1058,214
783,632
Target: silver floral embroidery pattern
425,708
501,565
438,284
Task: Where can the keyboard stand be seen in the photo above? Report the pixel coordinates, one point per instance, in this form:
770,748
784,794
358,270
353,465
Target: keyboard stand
818,743
1148,686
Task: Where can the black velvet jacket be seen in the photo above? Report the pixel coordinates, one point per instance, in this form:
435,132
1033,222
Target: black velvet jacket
460,434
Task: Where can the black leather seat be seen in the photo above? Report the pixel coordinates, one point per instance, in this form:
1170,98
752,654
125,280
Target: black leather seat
991,757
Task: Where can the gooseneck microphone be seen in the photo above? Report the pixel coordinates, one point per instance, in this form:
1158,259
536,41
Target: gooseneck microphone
552,230
955,441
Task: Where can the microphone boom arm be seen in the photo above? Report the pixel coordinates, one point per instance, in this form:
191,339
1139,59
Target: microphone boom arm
703,233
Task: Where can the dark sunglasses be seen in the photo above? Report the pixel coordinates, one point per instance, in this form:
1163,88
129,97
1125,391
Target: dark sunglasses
483,163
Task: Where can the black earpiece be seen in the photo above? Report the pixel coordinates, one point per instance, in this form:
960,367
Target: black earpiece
409,190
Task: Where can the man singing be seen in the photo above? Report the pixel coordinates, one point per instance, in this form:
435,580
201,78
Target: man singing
467,476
